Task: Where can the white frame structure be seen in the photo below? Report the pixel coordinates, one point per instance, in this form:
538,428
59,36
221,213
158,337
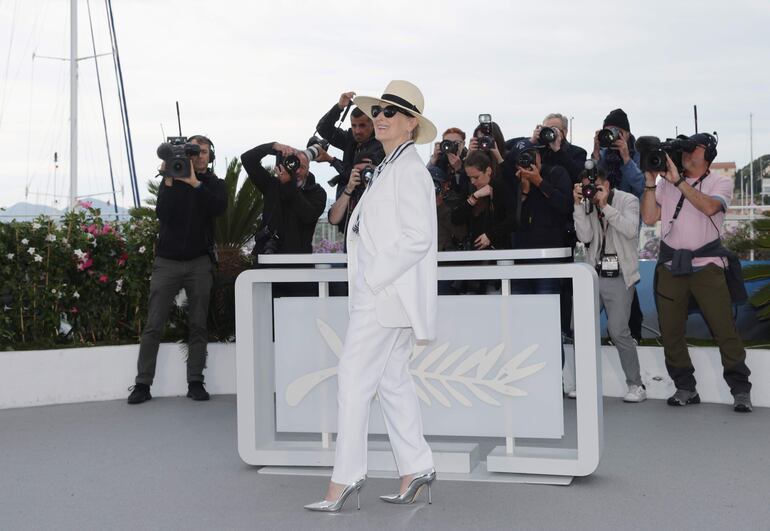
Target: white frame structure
258,442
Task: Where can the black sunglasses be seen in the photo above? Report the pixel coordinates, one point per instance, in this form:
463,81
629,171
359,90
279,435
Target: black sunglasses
389,111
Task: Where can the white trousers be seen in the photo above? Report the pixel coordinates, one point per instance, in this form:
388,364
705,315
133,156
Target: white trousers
375,359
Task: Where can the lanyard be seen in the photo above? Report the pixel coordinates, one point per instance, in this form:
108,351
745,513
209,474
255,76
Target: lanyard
681,199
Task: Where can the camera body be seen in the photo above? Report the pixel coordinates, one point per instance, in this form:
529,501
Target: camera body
652,152
608,136
526,159
449,146
486,141
547,135
176,152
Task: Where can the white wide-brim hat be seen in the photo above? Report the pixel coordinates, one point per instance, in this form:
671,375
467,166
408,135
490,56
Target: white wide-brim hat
404,95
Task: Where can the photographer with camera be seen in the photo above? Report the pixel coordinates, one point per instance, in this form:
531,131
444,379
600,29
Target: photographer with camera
448,156
359,137
617,157
607,221
361,174
293,201
693,264
614,149
189,198
489,137
553,134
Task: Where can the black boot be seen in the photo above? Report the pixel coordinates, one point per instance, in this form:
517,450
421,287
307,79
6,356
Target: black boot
139,393
196,391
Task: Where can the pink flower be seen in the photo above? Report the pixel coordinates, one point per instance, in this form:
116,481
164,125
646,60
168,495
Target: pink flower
85,204
85,264
122,260
107,229
103,279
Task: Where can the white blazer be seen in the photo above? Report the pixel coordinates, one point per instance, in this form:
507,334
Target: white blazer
398,227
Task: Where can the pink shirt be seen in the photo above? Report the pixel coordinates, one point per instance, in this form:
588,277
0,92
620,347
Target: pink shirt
692,228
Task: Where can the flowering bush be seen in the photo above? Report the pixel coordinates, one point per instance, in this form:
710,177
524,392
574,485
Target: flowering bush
326,246
80,280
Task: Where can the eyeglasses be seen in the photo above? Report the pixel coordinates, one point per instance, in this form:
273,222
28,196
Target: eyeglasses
389,111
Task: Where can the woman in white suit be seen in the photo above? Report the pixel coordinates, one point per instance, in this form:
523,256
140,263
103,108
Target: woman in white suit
392,274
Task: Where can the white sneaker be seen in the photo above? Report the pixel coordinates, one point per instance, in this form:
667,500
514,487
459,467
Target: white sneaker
636,393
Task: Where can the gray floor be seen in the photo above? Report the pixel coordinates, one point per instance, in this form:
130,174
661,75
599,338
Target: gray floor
172,464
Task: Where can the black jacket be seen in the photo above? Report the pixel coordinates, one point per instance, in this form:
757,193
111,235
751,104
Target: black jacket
291,211
496,220
342,140
186,216
543,215
570,157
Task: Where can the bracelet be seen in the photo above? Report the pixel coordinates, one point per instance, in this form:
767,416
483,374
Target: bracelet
679,182
349,194
653,187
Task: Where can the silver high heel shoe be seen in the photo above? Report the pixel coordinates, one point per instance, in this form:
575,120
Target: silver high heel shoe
415,486
335,506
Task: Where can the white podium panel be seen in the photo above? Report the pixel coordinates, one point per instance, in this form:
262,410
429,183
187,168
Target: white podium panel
517,354
493,371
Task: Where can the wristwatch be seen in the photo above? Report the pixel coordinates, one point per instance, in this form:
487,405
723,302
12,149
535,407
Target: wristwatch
680,181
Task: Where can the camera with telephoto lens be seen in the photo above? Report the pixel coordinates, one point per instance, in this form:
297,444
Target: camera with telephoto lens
176,152
652,152
608,136
547,135
526,159
486,141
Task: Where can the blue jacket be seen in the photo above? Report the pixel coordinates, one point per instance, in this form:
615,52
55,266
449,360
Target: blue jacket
632,178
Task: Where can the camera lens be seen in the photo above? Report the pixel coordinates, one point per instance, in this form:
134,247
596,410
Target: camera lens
607,138
547,135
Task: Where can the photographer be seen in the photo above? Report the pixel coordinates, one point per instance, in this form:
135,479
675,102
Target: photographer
293,201
607,221
543,206
489,211
366,159
359,137
693,263
615,152
489,137
184,258
448,156
553,134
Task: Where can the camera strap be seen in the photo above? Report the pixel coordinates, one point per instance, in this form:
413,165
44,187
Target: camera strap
680,204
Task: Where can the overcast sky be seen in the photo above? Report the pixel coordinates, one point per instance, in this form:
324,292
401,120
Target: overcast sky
246,73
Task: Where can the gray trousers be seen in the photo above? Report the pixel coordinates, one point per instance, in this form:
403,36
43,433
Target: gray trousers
616,300
168,277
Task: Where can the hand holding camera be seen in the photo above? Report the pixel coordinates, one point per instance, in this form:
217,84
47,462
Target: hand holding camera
345,99
353,181
548,136
577,193
601,196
